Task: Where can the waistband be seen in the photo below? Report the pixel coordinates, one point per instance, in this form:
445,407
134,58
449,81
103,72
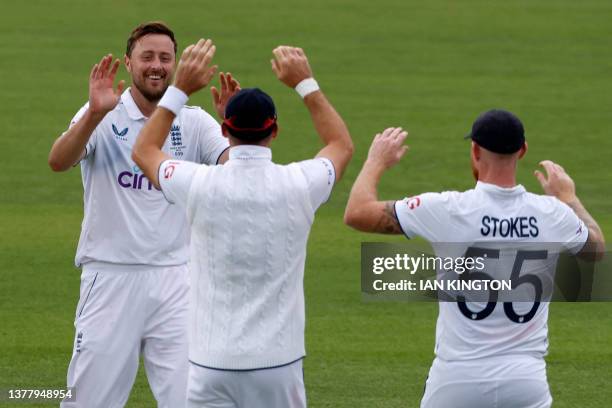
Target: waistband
125,268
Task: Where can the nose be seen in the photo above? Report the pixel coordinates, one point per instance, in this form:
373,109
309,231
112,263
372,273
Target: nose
156,63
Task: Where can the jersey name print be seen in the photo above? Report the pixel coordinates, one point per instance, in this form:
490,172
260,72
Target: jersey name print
520,235
513,227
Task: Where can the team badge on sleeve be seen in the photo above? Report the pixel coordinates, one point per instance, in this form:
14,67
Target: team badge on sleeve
169,169
413,202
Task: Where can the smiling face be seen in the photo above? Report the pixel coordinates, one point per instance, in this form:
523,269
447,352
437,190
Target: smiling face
151,65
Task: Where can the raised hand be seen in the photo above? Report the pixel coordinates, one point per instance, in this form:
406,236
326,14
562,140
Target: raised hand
556,182
193,72
388,147
290,65
102,97
229,87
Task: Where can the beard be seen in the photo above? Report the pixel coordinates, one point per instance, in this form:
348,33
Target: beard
150,95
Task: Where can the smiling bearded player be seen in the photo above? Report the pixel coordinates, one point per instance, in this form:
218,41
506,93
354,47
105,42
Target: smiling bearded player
133,247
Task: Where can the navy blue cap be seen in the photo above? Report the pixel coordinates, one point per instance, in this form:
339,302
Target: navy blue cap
250,114
498,131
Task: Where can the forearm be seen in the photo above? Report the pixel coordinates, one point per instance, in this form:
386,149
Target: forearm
596,240
331,129
363,194
328,123
147,153
68,149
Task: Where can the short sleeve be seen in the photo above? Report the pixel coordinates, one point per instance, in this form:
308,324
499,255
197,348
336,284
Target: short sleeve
211,142
571,231
425,215
90,147
175,177
320,175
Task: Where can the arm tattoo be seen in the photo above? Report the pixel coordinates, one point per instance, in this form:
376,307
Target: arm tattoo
388,223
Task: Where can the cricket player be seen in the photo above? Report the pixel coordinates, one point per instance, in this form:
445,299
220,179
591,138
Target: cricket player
250,221
133,247
488,354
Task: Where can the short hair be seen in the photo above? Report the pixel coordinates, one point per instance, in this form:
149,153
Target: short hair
151,27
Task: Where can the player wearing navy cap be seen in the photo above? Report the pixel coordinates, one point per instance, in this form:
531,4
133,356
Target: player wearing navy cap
487,354
250,221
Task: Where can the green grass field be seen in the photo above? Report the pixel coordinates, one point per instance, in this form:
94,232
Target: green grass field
428,66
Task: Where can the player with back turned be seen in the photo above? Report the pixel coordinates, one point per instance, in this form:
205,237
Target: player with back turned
250,221
133,248
488,354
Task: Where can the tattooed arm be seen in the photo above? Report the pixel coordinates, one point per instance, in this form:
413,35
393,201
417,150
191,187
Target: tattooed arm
364,211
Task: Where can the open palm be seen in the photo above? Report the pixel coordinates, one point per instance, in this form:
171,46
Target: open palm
102,97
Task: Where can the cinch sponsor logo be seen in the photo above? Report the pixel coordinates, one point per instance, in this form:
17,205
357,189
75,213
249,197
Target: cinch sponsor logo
134,180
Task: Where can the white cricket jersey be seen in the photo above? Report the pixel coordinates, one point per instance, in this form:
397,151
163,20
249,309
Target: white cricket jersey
126,220
504,220
250,221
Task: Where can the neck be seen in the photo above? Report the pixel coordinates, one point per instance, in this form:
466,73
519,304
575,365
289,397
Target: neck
146,106
499,177
237,142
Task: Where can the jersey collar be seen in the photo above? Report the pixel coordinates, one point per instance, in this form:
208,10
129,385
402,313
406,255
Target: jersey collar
250,152
130,106
492,188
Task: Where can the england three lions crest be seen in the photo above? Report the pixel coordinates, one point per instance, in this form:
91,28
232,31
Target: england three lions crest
176,141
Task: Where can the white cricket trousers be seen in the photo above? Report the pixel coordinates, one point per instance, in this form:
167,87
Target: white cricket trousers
126,311
276,387
517,381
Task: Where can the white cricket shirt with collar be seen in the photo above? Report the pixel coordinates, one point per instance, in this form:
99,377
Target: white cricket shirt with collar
250,221
505,219
126,220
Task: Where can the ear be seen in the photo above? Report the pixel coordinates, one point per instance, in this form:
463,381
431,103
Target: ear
224,131
127,60
523,151
475,151
274,131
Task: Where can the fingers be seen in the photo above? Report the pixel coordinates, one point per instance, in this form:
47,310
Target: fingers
281,52
232,83
396,134
223,81
94,72
187,52
114,68
549,166
120,86
101,68
215,95
275,66
202,50
208,75
541,178
106,68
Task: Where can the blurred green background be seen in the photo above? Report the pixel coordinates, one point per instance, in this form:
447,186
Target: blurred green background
430,67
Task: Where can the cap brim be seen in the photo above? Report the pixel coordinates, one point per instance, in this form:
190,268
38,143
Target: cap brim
468,136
